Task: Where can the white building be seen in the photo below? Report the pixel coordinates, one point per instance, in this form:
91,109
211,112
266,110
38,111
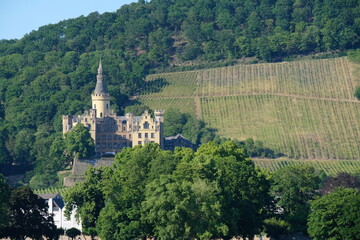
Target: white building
57,207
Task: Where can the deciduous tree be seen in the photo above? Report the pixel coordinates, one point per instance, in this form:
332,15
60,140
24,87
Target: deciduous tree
78,142
29,216
336,215
293,187
87,199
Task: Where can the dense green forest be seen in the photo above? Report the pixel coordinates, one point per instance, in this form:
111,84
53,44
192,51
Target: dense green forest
51,71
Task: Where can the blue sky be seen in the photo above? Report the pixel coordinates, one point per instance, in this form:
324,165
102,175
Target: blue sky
18,17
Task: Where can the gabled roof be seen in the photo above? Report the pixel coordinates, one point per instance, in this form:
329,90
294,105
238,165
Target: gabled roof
175,137
57,199
49,195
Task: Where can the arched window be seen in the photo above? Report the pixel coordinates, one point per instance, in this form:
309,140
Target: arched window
100,114
146,125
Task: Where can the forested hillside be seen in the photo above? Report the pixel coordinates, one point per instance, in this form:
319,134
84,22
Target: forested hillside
51,71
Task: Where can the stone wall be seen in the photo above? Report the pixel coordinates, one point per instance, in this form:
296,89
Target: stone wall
80,166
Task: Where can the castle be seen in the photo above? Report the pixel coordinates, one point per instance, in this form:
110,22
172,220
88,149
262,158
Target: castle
110,132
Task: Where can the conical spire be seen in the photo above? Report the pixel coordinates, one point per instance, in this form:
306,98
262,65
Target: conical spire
100,85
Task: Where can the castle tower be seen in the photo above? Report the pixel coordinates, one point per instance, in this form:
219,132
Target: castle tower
100,97
159,117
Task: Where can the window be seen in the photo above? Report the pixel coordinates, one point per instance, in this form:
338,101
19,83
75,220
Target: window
146,125
139,135
151,141
152,135
104,137
124,128
115,137
146,135
100,114
107,106
109,145
109,137
115,145
139,142
85,119
98,145
104,145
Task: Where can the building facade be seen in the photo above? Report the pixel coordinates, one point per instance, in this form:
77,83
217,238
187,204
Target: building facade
56,206
110,132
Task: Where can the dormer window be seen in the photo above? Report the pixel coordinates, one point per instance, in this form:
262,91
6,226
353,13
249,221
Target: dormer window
146,125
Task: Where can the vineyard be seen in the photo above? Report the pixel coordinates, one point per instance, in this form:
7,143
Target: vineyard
331,168
59,190
304,109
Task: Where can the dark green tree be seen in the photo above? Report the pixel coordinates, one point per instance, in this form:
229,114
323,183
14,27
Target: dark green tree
125,191
336,215
4,157
193,209
293,187
357,93
29,216
4,201
78,142
72,232
88,199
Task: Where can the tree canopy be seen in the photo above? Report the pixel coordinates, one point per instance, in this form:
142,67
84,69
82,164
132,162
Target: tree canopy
4,201
336,215
87,199
79,143
293,187
215,192
28,217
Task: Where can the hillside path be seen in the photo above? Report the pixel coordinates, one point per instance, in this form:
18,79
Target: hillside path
251,94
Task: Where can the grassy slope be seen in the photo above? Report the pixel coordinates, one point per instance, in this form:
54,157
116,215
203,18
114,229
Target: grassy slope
305,109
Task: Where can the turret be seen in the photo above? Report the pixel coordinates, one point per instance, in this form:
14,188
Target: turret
100,97
159,117
67,123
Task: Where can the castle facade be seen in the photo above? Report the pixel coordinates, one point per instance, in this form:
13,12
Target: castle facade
110,132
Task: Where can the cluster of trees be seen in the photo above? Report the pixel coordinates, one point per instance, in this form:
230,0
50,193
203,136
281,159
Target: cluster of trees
196,131
216,192
24,214
187,125
75,143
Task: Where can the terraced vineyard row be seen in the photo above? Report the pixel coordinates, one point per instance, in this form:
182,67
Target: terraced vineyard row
304,109
329,167
328,78
59,190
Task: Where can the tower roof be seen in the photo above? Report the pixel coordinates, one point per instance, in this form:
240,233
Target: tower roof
100,85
